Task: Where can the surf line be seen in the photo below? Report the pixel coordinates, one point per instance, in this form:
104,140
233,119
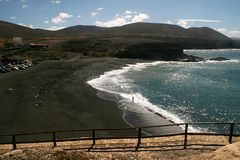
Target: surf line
160,115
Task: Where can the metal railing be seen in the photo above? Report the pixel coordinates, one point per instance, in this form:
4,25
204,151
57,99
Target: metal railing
138,136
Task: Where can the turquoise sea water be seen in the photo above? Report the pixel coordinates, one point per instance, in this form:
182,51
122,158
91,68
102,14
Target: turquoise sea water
181,91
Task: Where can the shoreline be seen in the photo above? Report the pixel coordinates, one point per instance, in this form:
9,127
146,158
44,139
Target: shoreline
145,117
137,115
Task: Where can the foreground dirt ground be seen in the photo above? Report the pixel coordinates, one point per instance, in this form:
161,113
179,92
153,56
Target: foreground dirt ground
164,148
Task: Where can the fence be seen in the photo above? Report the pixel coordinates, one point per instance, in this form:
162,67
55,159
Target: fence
139,134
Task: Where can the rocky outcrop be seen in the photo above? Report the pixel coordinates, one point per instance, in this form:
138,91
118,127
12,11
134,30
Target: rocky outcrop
218,59
152,51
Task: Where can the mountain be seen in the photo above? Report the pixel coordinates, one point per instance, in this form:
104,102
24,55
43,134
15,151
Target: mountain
203,37
81,29
9,30
156,29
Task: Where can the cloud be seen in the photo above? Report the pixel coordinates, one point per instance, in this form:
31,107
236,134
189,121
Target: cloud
46,21
139,17
23,1
222,30
24,6
202,20
54,28
184,22
55,1
229,33
99,9
25,25
234,33
112,23
128,12
126,18
61,18
94,14
79,16
169,22
12,17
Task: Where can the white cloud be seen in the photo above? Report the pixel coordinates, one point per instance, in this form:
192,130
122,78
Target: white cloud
131,17
139,17
222,30
54,28
112,23
184,22
12,17
46,21
234,33
61,18
94,14
25,25
55,1
128,12
99,9
31,26
128,16
229,33
79,16
169,22
24,6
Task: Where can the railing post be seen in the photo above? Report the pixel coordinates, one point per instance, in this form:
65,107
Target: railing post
139,138
231,132
14,142
93,137
54,139
186,133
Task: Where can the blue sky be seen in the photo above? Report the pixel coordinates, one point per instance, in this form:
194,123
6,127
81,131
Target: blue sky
222,15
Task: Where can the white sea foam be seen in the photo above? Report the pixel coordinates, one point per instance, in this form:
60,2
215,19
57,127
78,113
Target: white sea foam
115,82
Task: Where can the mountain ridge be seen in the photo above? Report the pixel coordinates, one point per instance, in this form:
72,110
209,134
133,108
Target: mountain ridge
203,37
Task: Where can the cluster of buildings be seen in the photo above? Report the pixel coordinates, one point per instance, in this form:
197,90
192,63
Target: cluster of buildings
17,42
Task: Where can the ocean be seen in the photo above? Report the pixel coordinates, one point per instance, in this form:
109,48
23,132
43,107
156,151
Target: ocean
206,91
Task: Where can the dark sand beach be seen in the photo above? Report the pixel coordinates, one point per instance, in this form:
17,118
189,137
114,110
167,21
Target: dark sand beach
54,95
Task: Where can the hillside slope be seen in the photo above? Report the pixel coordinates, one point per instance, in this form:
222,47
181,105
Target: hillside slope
9,30
203,37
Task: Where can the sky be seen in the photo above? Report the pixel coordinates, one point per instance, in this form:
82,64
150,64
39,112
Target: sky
222,15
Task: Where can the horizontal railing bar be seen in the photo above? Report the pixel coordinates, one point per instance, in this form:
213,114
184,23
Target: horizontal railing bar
117,129
209,134
161,146
113,148
102,138
165,135
206,144
37,141
6,143
79,139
